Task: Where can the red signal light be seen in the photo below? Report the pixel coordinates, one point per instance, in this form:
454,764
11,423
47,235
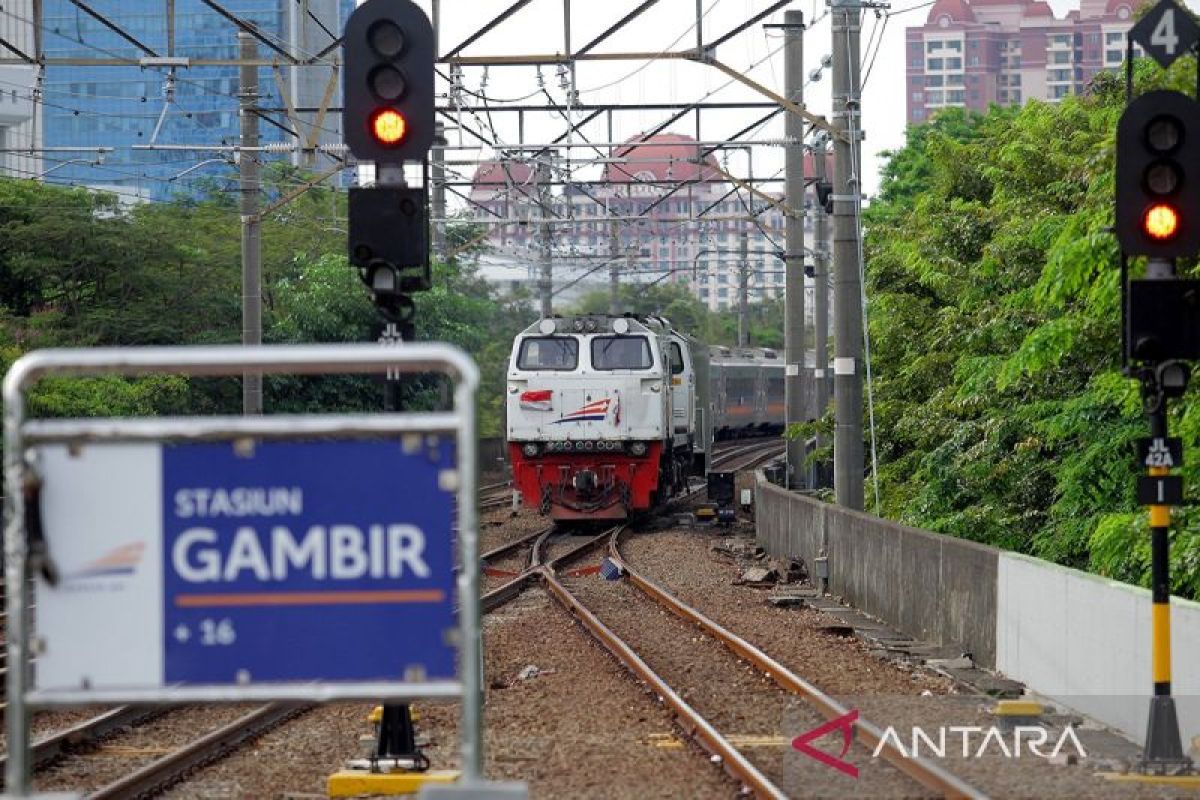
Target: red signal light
1161,222
388,126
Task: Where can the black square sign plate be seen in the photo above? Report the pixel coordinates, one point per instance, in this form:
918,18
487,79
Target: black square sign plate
1166,32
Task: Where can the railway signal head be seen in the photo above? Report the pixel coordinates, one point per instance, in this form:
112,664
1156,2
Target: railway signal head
387,87
1158,176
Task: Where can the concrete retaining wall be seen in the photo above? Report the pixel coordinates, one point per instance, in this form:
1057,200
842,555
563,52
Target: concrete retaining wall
1085,641
1077,638
932,587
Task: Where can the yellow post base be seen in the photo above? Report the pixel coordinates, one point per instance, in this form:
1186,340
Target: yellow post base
1017,708
1174,781
354,783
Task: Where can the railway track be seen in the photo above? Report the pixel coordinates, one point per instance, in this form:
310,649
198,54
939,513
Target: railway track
171,768
83,738
747,456
536,556
495,495
761,778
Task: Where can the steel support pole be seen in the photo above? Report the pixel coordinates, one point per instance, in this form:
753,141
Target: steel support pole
437,194
793,316
847,290
250,175
614,270
744,289
1163,749
820,248
546,272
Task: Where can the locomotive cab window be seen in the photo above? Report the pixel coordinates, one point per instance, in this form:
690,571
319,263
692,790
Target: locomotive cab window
549,352
676,358
621,352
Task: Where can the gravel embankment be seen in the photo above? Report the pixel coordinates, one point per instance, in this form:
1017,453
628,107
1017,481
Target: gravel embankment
886,693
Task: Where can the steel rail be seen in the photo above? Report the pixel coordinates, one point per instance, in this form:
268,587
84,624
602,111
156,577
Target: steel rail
171,768
509,591
929,775
688,719
516,544
50,747
490,601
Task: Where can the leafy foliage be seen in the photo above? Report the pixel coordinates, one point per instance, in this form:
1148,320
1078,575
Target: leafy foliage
995,314
76,269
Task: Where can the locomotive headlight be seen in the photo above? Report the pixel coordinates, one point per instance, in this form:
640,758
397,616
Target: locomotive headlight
638,448
530,449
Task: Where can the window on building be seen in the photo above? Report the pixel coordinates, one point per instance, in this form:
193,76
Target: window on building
723,279
933,80
935,63
954,45
933,97
954,96
722,293
954,63
934,45
704,294
954,80
918,97
973,61
918,113
1060,57
1114,38
1114,56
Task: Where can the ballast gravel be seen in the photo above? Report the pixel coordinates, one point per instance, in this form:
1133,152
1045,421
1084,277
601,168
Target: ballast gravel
681,561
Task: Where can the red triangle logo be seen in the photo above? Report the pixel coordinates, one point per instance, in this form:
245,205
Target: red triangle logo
845,724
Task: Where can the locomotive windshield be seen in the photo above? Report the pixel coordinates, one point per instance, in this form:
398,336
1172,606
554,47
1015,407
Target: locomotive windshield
548,352
621,352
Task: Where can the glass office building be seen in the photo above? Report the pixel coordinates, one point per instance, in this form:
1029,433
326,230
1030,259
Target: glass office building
122,107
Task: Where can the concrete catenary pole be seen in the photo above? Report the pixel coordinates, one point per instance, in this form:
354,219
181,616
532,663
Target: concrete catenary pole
614,269
546,275
821,289
847,290
744,290
249,174
437,193
793,316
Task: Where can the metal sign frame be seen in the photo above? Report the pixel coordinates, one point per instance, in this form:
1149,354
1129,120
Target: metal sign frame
232,360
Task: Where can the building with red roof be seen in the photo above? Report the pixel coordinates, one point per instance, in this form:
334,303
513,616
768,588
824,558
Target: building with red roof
972,53
641,208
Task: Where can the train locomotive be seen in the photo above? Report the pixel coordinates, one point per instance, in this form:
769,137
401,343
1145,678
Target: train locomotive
607,416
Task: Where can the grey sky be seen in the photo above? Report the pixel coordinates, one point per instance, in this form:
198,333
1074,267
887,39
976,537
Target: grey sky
538,28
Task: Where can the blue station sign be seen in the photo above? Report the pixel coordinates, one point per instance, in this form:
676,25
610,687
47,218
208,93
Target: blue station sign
308,561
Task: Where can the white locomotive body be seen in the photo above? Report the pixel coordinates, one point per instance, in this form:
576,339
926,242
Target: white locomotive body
603,414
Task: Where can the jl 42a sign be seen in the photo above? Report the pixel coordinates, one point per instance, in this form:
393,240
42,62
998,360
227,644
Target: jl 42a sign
206,563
